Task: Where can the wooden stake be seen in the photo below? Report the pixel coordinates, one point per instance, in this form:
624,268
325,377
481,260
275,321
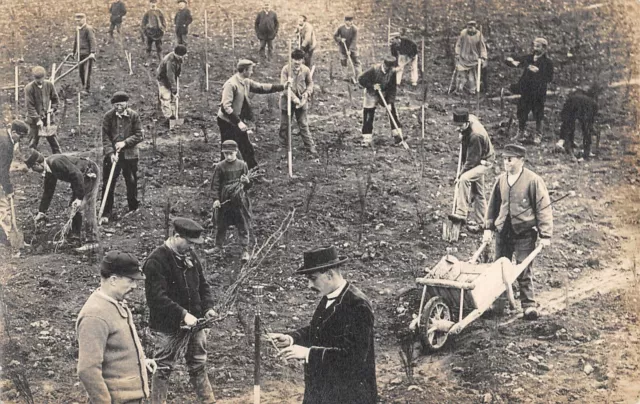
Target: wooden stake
15,74
389,32
233,37
478,86
206,26
422,64
78,45
79,109
289,150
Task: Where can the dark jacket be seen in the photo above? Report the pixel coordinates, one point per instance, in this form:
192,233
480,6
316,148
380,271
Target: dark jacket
126,129
534,85
341,366
235,105
37,100
406,47
71,169
153,24
117,10
350,35
174,287
267,25
387,82
182,20
476,145
6,157
168,70
526,203
579,105
225,173
88,43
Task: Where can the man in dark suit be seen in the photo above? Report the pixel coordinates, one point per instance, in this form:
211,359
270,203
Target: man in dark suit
337,347
82,175
9,139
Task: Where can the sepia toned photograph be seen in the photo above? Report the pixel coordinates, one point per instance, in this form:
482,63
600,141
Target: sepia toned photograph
320,202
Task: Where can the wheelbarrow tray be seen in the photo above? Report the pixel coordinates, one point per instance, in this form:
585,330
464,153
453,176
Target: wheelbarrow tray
471,288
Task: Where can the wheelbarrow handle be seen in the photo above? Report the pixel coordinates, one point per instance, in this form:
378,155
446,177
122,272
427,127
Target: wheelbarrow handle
521,266
477,254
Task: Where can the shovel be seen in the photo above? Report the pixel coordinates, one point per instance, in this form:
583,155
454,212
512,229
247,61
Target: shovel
393,120
108,188
451,228
49,130
16,238
353,67
177,121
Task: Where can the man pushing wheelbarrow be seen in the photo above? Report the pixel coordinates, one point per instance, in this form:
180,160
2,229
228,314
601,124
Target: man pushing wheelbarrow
519,213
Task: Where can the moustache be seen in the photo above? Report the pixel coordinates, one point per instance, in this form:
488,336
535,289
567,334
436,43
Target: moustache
315,289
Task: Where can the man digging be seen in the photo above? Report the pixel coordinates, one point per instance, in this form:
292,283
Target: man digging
380,80
478,158
41,98
9,141
346,37
406,53
167,74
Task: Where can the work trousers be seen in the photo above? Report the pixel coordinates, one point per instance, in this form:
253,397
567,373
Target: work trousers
88,209
233,216
85,72
165,97
528,104
308,57
229,131
114,26
404,60
5,218
567,132
344,60
129,170
181,36
300,115
466,77
195,358
266,47
508,244
470,190
34,133
369,115
158,43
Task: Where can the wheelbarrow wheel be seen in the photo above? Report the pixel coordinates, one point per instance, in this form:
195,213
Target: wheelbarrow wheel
436,309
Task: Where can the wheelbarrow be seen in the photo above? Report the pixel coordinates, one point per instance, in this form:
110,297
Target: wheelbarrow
464,290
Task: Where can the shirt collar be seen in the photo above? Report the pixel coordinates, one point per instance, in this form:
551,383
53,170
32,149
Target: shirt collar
83,25
125,113
333,295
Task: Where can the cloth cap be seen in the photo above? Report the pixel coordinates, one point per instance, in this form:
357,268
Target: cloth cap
245,63
348,18
182,1
461,115
180,50
119,96
153,1
389,61
320,259
514,150
297,54
38,72
188,229
472,22
229,145
80,16
541,41
35,158
20,127
122,264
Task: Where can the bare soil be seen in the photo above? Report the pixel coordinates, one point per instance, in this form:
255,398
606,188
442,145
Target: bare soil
585,347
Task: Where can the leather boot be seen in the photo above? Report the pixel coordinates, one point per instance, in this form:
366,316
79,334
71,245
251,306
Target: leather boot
200,382
159,386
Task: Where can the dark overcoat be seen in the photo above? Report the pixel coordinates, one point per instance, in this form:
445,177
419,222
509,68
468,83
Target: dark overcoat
341,366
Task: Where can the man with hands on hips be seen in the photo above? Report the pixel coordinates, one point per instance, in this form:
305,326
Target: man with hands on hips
337,346
519,214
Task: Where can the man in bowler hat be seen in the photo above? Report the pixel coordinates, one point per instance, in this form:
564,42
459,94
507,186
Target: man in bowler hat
337,346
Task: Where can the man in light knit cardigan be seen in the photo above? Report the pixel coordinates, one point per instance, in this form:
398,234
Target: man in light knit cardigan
111,362
519,213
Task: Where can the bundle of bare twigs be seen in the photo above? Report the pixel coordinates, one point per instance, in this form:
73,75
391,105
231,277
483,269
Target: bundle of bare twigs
233,191
178,342
61,236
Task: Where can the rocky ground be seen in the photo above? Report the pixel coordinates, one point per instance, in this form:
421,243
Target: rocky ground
384,207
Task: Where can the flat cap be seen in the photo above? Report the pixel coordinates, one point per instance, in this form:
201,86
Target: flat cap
389,61
541,41
461,115
472,22
229,145
35,158
180,50
122,264
119,96
20,127
245,63
188,229
348,18
182,1
514,150
297,54
38,72
79,16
